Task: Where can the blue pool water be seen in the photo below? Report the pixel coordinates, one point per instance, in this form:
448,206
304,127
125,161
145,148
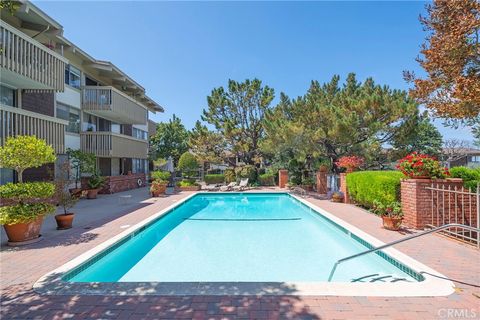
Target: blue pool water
238,237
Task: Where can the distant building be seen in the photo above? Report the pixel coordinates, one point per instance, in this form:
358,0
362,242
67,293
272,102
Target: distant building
462,157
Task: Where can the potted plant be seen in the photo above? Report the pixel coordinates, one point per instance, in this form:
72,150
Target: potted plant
64,198
350,163
422,166
159,183
25,204
95,183
337,196
391,214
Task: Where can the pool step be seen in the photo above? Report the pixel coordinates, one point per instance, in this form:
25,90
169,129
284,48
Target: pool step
376,277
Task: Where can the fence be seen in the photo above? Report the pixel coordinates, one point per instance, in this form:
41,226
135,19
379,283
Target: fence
456,205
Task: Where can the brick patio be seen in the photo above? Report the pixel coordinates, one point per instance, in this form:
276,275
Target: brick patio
98,220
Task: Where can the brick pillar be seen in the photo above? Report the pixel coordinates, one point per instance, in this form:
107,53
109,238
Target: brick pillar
343,187
417,200
322,182
282,178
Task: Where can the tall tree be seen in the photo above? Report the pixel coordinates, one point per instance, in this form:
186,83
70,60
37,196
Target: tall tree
451,59
332,120
454,148
206,145
237,113
170,139
424,138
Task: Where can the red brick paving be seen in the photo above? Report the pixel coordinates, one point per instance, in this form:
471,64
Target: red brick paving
20,268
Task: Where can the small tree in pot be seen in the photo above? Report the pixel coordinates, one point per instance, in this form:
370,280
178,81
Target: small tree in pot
26,205
64,198
82,162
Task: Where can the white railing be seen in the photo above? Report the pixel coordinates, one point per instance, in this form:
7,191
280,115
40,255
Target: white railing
25,56
109,144
15,121
113,104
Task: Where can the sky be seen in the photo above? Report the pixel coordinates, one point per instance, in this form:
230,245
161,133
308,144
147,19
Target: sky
180,51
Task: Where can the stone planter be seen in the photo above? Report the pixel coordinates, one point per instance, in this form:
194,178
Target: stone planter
158,189
189,188
24,233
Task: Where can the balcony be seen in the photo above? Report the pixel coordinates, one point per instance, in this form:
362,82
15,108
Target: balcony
110,103
109,144
27,64
15,121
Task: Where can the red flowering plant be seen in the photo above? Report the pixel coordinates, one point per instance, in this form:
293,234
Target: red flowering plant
350,162
416,165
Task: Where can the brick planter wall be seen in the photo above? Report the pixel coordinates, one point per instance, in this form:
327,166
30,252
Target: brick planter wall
322,182
417,200
343,187
189,188
115,184
282,178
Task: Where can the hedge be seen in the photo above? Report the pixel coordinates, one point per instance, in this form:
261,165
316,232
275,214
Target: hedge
471,177
367,186
214,178
266,179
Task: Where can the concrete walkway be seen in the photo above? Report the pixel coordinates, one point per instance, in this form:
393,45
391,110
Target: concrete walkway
99,220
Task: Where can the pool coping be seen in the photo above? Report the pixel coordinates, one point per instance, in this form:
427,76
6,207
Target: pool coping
433,285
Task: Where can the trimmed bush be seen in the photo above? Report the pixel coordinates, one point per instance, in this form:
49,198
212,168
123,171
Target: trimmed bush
214,178
247,171
366,187
27,190
266,179
160,175
471,177
230,175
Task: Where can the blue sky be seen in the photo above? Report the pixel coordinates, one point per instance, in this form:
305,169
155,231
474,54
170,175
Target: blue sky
180,51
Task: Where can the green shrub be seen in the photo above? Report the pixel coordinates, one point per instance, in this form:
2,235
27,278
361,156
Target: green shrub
24,212
188,164
247,171
266,179
95,182
368,187
187,183
230,175
27,190
214,178
160,175
471,177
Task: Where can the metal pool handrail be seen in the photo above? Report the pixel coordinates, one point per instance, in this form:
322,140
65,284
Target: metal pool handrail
447,226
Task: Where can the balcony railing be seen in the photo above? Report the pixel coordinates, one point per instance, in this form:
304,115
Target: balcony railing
113,104
109,144
15,121
27,63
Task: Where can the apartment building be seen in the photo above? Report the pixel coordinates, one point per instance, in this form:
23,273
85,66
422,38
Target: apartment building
51,88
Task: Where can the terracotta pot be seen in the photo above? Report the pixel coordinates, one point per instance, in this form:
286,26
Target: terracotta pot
64,221
158,189
24,232
391,223
337,198
92,193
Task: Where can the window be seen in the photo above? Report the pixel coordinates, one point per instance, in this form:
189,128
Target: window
70,114
89,122
475,159
7,96
104,124
139,165
72,76
139,134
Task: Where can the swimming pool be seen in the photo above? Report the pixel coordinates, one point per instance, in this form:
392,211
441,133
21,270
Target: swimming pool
215,239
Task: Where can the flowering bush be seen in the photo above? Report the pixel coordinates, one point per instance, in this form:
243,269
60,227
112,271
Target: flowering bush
417,165
350,162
